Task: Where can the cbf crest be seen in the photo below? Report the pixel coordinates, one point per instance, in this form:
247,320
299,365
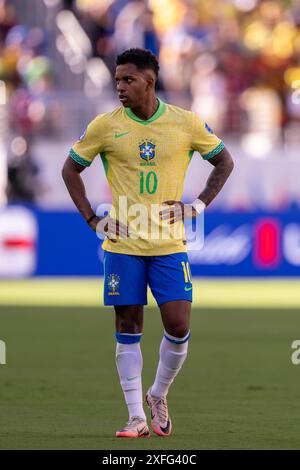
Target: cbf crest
113,284
147,152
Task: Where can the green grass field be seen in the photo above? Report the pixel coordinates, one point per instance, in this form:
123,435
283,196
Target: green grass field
238,389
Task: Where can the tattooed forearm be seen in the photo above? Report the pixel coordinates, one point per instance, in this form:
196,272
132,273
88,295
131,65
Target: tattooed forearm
223,164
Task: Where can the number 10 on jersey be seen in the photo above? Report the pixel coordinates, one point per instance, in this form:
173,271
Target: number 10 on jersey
148,182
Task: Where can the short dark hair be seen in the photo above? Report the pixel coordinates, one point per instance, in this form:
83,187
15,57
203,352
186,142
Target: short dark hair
142,58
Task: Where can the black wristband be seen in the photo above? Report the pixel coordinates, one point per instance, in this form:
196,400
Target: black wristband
90,219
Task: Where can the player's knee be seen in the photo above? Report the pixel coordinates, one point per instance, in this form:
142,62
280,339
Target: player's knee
178,331
129,325
129,319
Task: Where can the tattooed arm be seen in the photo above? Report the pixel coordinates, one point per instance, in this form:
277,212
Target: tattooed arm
176,210
223,164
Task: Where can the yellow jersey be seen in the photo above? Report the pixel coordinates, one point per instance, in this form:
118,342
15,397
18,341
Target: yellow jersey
145,164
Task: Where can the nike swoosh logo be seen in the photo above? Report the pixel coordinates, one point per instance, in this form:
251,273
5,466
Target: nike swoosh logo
121,135
167,428
132,378
188,288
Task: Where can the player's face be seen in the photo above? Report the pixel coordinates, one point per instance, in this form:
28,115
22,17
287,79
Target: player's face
133,84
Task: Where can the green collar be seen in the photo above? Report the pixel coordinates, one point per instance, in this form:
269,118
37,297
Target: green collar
160,110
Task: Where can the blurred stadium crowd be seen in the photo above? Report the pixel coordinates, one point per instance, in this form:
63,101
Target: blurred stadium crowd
236,62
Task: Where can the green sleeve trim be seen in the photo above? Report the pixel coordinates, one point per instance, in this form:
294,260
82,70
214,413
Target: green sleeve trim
105,162
214,152
191,153
78,159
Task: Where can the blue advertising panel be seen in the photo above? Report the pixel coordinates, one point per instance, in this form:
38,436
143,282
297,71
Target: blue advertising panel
52,243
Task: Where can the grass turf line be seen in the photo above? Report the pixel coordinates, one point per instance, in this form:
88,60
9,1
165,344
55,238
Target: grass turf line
212,293
237,390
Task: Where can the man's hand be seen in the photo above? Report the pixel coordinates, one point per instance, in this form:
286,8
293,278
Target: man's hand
109,227
179,211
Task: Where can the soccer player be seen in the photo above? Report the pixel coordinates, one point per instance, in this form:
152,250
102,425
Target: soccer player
146,146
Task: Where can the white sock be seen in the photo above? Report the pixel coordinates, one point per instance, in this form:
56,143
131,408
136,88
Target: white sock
129,364
173,352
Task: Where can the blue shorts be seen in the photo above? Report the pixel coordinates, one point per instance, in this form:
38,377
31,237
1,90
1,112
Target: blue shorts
126,278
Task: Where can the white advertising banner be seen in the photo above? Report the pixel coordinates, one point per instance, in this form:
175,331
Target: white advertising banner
18,235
